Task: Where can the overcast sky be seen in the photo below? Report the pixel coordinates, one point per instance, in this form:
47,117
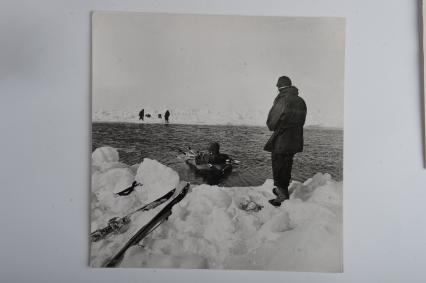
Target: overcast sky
228,63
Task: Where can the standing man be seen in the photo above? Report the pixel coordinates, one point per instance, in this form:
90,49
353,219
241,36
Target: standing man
167,115
286,119
141,114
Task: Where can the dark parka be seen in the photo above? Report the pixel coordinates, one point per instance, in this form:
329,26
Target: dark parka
286,119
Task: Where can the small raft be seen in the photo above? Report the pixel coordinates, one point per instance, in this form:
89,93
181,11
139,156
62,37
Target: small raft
215,169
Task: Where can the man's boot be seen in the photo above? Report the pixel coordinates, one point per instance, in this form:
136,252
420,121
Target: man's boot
281,194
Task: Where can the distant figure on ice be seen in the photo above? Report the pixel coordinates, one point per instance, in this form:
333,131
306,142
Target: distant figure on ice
166,116
159,116
141,114
286,119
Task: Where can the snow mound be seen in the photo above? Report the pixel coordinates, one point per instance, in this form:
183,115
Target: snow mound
208,228
156,178
109,177
104,187
104,154
304,234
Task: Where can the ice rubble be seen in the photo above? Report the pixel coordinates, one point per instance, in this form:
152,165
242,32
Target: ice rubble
207,229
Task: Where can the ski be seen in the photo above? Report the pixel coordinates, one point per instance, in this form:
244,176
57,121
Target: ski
116,224
148,228
129,190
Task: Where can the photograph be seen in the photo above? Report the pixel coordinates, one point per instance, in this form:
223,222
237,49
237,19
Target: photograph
217,142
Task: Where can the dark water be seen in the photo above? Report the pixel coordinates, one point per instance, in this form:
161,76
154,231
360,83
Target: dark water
323,151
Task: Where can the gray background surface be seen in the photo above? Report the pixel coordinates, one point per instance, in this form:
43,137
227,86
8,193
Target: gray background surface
45,141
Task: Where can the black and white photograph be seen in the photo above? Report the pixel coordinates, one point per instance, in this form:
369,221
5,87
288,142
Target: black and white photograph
217,142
